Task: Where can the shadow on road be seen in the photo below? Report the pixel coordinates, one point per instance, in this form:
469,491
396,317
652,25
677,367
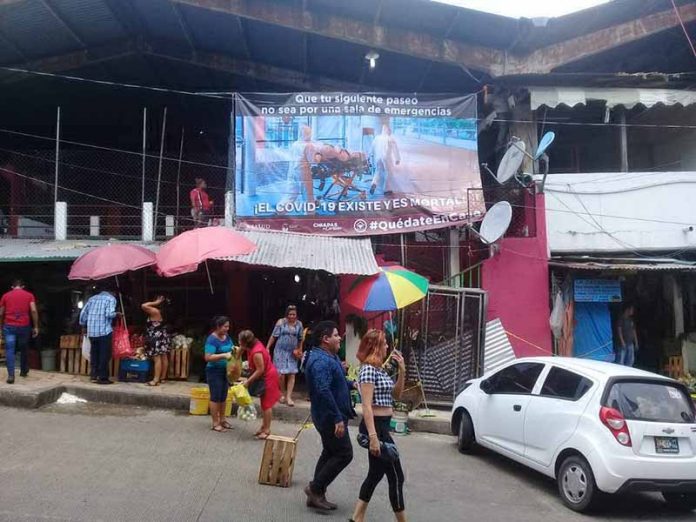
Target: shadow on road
641,506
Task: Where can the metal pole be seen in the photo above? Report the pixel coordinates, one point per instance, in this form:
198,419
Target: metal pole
142,191
232,159
55,186
624,140
178,178
159,169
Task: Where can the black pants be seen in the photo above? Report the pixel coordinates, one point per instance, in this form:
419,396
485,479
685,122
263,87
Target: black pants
380,467
100,355
335,456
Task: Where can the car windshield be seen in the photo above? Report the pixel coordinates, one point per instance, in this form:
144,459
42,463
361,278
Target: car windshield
650,401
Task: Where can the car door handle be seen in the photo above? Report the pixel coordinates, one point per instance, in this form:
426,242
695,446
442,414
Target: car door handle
517,407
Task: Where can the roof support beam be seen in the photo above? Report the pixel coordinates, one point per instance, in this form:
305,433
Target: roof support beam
63,23
184,28
547,59
417,44
262,72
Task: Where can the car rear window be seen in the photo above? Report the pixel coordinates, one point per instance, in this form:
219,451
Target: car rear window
650,401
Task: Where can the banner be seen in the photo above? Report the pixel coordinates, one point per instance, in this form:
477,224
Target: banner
355,164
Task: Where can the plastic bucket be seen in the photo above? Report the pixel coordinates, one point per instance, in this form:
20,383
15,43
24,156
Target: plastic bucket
399,423
228,405
200,397
48,360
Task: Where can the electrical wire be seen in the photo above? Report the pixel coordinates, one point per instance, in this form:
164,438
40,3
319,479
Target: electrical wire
686,33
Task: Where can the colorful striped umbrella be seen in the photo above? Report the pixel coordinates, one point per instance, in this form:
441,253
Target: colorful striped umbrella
392,288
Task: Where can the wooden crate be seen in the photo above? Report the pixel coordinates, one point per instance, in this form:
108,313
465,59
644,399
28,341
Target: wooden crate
675,367
85,367
70,342
70,360
179,364
278,461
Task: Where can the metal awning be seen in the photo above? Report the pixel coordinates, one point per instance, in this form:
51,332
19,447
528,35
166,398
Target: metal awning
336,255
498,350
625,265
552,97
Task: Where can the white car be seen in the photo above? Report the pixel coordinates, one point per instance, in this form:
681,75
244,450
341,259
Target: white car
595,427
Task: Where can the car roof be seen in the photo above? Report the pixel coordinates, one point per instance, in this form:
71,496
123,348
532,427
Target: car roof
599,369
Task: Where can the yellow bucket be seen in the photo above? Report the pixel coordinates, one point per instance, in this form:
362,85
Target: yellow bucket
228,404
200,397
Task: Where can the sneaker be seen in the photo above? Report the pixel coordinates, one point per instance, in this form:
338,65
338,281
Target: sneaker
10,379
23,374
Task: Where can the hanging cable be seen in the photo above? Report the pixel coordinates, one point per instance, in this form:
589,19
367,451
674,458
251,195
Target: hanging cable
686,33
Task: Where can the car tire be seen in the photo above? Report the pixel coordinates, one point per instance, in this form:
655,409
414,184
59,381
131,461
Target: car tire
680,501
465,434
576,484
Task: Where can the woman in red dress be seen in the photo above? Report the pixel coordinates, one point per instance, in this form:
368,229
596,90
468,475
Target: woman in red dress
261,367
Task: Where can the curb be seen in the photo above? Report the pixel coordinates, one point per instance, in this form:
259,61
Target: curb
177,402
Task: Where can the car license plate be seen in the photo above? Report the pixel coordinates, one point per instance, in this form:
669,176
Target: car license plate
669,445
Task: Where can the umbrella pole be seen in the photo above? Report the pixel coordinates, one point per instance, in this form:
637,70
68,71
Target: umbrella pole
120,299
210,281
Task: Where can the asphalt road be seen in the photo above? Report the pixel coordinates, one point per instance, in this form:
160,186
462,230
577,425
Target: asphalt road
105,462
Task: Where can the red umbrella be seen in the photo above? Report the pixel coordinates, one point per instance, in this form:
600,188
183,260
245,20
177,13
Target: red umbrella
110,261
186,251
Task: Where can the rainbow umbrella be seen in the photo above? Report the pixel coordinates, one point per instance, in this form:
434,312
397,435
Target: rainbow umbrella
392,288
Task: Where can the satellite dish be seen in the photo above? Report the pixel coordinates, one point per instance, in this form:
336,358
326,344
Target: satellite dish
511,162
546,141
496,222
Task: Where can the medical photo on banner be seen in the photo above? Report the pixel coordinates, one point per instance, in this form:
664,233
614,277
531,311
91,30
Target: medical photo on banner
355,164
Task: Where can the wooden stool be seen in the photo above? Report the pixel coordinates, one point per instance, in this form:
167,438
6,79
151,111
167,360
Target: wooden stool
278,461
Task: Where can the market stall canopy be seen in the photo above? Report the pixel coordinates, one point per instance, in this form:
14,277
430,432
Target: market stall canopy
336,255
111,260
552,97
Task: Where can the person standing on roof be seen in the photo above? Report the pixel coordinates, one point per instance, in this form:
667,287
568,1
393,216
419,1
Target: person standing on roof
201,204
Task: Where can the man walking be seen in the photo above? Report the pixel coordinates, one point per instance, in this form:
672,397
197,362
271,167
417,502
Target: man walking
628,339
97,316
329,391
17,313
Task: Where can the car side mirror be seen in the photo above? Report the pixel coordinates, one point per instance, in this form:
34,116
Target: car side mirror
486,387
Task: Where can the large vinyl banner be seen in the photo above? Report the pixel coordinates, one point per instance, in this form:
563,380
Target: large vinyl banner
355,164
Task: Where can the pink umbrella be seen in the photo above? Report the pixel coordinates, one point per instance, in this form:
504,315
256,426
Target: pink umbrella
186,251
110,261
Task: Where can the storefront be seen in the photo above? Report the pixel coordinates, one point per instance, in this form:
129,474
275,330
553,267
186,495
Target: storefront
589,296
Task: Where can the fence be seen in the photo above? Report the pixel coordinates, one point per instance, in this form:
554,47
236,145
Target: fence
522,200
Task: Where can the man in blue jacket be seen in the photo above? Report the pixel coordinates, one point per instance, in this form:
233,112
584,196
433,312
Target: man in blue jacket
329,391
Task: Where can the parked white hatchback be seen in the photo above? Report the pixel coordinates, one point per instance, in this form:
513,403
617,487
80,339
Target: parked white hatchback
595,427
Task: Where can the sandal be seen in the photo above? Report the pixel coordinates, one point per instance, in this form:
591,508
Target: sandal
262,436
226,425
153,383
291,404
282,400
218,429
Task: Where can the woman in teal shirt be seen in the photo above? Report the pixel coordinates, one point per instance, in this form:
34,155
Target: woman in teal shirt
218,350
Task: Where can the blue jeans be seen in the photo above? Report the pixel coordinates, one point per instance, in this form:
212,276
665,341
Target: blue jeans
626,356
16,338
99,357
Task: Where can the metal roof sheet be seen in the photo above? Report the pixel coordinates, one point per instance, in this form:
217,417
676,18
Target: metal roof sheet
276,249
497,349
630,267
336,255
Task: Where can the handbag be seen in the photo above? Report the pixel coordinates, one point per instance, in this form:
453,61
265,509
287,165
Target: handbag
257,388
297,352
121,346
86,348
387,450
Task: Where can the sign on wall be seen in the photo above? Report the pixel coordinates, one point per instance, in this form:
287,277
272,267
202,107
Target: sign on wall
355,164
597,291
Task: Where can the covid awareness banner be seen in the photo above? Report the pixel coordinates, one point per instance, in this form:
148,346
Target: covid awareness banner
355,164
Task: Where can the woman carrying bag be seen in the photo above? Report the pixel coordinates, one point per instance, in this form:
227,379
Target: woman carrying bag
263,381
379,392
287,337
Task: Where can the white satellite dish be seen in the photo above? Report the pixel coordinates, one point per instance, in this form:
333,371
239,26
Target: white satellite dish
496,222
511,162
546,141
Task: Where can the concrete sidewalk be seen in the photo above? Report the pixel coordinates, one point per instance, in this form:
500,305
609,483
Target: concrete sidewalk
41,388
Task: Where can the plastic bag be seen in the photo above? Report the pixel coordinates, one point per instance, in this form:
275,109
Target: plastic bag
234,366
247,413
241,395
86,348
556,319
121,345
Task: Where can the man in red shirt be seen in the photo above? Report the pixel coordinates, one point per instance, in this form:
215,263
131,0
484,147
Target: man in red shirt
201,204
17,313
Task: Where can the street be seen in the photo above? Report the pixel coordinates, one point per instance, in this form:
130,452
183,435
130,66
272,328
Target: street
110,462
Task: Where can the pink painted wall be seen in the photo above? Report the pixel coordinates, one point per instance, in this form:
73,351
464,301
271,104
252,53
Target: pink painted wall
517,282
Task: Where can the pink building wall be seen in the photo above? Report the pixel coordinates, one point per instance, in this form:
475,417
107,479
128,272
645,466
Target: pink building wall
517,282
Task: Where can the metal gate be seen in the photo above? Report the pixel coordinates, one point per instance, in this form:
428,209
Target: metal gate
447,349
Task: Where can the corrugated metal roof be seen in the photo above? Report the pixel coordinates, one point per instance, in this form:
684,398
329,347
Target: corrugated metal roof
630,267
13,250
552,97
497,350
336,255
277,249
